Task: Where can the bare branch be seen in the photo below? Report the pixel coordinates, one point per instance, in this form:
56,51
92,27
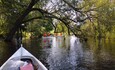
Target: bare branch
76,9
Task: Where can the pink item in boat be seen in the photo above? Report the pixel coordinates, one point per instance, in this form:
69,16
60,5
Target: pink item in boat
44,40
27,67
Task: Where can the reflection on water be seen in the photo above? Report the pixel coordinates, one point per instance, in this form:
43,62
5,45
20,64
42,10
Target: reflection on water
76,52
5,51
69,53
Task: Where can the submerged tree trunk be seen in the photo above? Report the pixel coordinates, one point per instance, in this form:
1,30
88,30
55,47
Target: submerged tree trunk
68,32
99,31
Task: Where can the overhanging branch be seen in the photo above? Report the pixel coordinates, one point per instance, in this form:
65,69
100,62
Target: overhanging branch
50,15
76,9
32,19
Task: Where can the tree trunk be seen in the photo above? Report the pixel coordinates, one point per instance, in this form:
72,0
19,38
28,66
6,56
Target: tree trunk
19,22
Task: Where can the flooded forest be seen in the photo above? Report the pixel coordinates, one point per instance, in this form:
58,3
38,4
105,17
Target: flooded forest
61,34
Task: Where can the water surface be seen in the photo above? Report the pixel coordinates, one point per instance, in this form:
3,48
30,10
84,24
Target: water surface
70,54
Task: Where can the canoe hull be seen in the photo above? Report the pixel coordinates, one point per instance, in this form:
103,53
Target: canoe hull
22,53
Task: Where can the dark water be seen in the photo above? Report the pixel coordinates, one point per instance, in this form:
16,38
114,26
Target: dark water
70,54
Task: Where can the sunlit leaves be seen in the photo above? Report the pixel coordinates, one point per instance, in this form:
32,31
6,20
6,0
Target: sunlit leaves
106,15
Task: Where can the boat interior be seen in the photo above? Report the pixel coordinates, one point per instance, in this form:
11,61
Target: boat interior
16,63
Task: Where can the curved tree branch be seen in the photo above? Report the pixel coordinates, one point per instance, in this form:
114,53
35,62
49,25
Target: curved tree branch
50,15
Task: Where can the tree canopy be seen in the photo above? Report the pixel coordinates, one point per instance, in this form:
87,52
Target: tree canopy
78,16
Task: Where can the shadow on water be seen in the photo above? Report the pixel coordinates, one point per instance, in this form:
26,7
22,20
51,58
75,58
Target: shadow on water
99,55
69,53
6,50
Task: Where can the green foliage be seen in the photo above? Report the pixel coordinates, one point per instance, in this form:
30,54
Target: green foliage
61,28
103,19
38,27
10,10
95,17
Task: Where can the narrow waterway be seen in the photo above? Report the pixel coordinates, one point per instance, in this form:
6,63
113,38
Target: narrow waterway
68,53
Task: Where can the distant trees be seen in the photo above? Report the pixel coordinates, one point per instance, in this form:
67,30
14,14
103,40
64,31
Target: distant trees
39,27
